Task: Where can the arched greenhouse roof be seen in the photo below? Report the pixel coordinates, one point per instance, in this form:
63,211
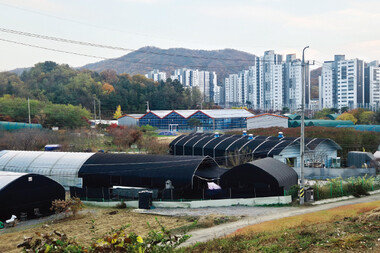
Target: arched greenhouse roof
24,192
148,170
62,167
225,145
267,170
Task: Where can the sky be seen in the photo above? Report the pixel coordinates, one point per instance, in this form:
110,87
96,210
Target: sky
350,27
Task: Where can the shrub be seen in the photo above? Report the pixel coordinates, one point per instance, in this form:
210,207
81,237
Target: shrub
121,205
124,137
114,241
151,145
148,130
293,191
67,206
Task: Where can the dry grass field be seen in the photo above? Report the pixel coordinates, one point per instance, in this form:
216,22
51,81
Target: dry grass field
351,228
101,219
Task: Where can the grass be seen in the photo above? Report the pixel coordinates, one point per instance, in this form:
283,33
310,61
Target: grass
101,220
349,228
94,222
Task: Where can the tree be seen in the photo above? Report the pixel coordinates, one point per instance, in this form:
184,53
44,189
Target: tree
377,117
366,118
322,114
194,122
118,112
108,88
285,110
45,113
347,116
344,109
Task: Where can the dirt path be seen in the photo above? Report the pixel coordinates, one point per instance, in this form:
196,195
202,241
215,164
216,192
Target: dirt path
207,234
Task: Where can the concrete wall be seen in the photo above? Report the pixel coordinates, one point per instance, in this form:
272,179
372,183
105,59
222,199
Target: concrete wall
266,121
202,203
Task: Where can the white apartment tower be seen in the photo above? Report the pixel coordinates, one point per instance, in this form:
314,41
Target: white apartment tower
205,81
156,75
271,82
372,84
341,83
326,86
231,90
350,83
292,90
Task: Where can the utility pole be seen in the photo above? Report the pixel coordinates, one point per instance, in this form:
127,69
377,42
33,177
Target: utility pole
302,148
94,111
100,113
30,121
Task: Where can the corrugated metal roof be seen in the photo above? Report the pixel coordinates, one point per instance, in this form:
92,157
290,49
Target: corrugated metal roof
213,113
186,113
136,116
160,113
268,114
228,113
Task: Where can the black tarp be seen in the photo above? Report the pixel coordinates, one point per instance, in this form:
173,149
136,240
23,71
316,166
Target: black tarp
151,171
23,193
263,177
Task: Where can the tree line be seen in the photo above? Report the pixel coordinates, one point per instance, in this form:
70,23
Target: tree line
61,84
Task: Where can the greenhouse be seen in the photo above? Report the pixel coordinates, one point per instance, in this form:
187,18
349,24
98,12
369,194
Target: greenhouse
373,128
152,171
333,116
62,167
27,195
229,149
321,123
225,148
259,178
9,126
294,116
184,120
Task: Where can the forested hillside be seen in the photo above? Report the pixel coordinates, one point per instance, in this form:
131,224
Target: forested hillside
61,84
223,62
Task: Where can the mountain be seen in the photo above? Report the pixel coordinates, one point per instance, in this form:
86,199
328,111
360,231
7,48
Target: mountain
19,71
143,60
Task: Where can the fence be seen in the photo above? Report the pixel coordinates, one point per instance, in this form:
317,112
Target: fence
104,194
326,173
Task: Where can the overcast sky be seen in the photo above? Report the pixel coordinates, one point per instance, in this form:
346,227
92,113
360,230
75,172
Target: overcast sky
329,27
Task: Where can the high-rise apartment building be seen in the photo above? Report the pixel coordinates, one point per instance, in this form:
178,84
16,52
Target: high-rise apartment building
156,75
205,81
271,82
350,83
293,77
372,85
327,86
341,83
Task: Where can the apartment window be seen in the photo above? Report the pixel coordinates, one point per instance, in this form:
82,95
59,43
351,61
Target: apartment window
343,72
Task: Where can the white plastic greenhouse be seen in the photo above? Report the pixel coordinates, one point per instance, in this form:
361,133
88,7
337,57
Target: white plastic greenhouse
62,167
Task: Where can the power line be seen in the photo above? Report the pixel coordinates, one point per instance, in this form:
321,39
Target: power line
84,43
111,59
